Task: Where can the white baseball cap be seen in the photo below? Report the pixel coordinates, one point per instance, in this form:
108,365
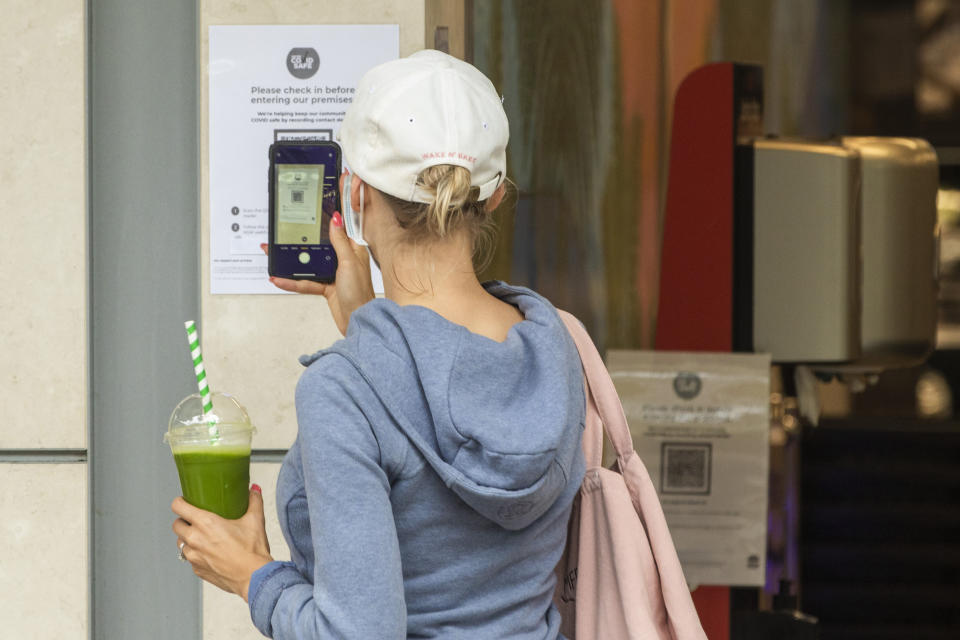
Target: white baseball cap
423,110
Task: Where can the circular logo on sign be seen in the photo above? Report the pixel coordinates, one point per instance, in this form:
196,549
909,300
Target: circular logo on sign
687,385
303,62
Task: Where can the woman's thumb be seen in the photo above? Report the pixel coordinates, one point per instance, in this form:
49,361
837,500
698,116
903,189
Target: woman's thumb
255,503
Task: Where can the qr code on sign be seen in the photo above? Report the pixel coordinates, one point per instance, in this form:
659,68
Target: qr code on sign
685,467
296,197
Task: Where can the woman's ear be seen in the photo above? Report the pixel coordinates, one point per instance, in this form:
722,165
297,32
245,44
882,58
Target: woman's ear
354,194
356,184
494,200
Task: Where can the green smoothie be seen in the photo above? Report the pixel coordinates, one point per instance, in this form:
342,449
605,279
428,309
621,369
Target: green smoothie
215,478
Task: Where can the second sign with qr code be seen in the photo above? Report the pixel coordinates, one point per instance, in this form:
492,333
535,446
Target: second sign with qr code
685,468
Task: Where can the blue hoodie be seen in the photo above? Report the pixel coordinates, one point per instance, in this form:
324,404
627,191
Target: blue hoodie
428,491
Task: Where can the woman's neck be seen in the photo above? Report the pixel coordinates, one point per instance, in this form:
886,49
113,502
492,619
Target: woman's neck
437,275
440,277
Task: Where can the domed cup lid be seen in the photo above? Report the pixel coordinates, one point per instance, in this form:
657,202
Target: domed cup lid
228,421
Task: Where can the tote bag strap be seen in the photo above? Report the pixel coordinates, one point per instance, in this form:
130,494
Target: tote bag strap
681,613
603,394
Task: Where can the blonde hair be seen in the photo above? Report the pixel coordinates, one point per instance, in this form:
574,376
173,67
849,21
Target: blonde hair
455,206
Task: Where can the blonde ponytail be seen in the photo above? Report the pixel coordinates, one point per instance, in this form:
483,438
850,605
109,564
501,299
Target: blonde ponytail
450,186
454,206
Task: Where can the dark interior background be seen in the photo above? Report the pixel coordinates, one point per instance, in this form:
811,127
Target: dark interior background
588,87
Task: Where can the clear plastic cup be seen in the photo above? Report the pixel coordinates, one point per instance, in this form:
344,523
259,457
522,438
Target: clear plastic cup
212,453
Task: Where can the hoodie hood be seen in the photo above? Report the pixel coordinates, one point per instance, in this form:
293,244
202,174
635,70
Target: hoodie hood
500,422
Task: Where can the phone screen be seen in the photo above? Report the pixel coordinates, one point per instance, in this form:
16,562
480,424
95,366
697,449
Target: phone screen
304,191
299,204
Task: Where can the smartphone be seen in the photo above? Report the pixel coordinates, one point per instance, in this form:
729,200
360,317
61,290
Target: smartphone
304,186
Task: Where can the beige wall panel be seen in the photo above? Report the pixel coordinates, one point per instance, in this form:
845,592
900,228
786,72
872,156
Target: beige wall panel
251,342
226,616
43,551
43,366
452,15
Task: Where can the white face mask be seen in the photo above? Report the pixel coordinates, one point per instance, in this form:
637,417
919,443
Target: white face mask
352,219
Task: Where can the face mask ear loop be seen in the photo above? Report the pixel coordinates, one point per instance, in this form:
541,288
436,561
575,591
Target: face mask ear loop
345,201
360,221
353,218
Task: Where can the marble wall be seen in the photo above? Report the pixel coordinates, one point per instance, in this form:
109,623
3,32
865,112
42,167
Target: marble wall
43,369
43,551
43,311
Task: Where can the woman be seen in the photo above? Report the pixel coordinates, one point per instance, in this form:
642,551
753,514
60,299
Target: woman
428,491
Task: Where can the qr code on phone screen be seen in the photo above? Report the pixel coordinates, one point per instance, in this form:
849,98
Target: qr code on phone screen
685,467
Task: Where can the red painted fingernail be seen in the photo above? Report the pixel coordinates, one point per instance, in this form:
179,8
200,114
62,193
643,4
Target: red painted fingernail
257,488
337,220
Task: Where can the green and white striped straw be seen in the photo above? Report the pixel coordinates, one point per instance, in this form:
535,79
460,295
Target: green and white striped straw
193,338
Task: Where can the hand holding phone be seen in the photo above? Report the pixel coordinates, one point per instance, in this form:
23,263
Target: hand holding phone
353,286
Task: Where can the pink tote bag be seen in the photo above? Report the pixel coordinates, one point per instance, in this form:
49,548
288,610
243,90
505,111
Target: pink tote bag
619,577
